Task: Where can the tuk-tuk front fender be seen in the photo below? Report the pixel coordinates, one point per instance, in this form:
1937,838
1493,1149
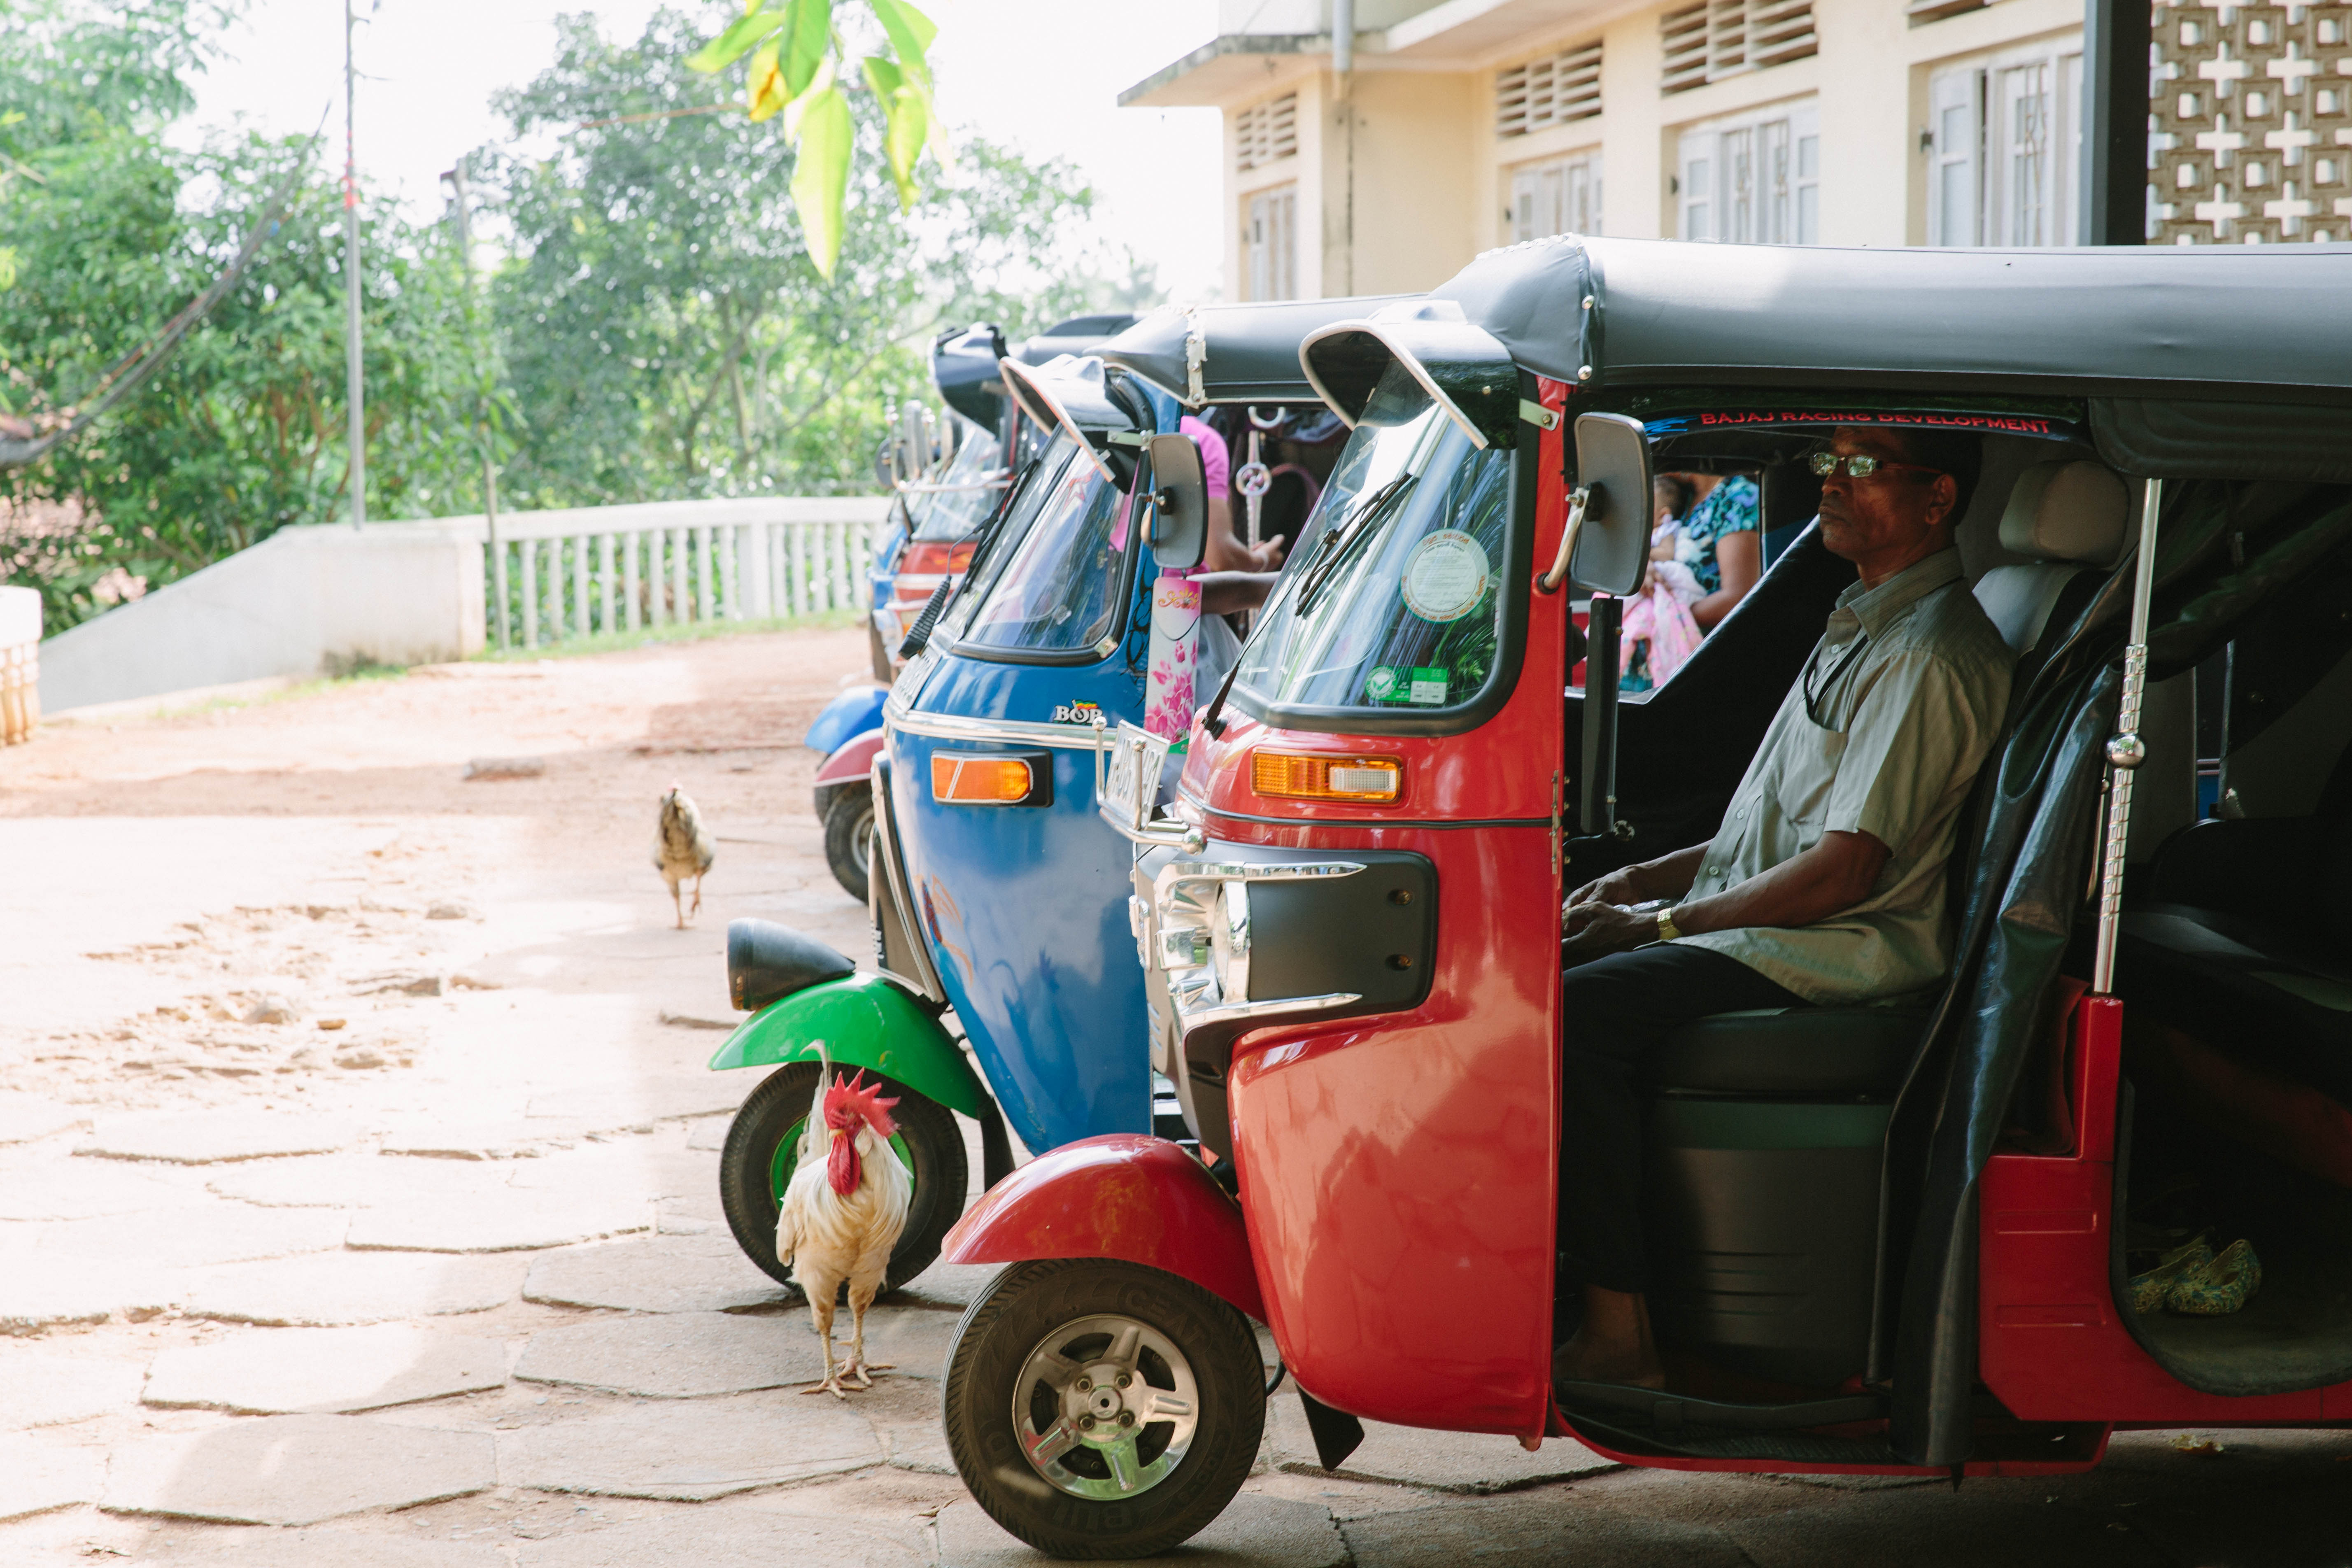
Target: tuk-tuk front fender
867,1021
1141,1200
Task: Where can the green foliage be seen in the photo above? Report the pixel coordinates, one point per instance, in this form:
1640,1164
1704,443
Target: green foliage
242,432
666,332
657,329
110,231
797,70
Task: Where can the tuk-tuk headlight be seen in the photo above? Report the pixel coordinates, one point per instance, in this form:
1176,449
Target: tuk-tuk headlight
1229,941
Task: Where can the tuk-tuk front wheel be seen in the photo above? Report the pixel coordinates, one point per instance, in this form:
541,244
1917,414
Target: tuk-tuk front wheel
849,837
1102,1409
762,1151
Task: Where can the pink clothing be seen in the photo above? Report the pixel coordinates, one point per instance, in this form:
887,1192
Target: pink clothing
1655,616
1216,466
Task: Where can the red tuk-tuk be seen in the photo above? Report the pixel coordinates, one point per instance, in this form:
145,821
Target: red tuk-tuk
1891,1239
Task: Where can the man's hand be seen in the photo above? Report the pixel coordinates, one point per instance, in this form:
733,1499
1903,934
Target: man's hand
1597,930
1667,876
1616,887
1266,555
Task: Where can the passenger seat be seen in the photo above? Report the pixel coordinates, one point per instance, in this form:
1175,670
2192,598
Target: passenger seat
2070,517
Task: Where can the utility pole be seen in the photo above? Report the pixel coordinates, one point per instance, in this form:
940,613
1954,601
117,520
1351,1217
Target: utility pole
2116,37
353,392
456,178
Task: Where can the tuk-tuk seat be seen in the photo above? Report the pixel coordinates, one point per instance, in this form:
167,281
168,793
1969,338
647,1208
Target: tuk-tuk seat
2068,517
1790,1053
1763,1136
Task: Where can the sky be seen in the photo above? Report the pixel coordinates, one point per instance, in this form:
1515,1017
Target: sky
1043,75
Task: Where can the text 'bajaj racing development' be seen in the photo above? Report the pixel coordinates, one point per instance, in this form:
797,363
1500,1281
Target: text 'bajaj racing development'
997,889
1887,1240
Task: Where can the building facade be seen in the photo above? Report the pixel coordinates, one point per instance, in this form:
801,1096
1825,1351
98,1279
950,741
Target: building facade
1464,124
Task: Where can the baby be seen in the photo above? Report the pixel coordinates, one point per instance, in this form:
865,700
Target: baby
1672,555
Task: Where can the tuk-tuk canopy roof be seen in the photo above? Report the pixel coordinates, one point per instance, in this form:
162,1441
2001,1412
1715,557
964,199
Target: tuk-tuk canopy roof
1250,351
2223,361
2267,322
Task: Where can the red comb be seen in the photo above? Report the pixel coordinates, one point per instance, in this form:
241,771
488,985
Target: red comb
846,1103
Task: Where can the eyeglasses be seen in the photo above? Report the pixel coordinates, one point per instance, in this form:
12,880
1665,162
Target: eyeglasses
1828,463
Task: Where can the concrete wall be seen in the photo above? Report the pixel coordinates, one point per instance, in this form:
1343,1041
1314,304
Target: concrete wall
303,603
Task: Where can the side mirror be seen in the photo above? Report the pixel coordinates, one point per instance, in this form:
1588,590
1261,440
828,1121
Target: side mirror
1180,503
1612,465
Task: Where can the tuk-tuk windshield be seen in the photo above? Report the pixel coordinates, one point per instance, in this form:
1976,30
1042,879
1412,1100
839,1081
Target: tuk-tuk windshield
1390,600
969,487
1058,580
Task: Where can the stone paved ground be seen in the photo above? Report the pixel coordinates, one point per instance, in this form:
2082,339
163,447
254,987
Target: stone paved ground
429,1272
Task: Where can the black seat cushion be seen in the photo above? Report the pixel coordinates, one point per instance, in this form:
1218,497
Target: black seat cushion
1792,1053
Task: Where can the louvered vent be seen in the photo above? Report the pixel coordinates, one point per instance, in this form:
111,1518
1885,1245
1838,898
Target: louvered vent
1707,42
1550,91
1265,132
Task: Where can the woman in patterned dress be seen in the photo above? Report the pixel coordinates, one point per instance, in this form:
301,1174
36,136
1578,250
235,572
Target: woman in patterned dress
1722,546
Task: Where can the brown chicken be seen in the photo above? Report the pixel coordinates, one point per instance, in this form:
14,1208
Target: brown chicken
683,847
843,1213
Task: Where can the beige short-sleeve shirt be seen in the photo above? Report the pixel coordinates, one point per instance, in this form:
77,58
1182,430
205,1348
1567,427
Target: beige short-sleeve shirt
1883,733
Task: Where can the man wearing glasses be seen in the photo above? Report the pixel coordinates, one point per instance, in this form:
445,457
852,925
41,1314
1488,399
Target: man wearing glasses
1826,881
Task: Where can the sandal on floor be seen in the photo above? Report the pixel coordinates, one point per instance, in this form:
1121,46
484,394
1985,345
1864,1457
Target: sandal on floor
2219,1286
2153,1290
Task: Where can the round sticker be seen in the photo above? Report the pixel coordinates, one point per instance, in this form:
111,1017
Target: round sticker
1445,576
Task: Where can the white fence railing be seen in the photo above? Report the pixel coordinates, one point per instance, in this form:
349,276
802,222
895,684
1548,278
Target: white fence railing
20,664
574,573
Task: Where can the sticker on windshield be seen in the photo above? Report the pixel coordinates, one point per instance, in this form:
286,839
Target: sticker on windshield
1445,576
1422,686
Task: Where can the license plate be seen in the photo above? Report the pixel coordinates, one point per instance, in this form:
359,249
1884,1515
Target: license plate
1131,780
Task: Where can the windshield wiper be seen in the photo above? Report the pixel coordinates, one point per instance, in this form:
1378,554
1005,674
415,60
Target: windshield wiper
1340,543
1329,550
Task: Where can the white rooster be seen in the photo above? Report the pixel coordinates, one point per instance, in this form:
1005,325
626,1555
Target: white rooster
843,1213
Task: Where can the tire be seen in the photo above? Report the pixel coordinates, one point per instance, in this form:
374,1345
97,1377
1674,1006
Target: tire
1001,1393
758,1161
849,837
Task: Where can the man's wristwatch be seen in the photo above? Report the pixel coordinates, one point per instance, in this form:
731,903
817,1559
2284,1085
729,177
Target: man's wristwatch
1667,930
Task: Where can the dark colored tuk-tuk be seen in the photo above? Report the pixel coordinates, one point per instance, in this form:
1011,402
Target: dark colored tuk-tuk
1893,1239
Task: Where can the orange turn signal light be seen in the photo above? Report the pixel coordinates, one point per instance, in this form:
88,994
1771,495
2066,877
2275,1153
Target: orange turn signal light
972,778
1291,775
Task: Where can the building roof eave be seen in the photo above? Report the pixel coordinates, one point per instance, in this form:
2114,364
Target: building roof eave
1220,69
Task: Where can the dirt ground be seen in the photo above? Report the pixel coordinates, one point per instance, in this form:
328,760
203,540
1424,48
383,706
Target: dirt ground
358,1191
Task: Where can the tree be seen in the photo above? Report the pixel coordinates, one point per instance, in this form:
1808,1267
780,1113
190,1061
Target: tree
665,330
113,231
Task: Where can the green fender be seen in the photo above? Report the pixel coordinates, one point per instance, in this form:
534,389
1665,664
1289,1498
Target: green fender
864,1021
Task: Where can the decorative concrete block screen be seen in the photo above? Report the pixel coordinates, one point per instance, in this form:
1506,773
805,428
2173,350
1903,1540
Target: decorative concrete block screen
563,575
2251,129
20,664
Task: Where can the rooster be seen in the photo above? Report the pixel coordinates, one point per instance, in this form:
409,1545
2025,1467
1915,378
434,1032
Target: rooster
843,1213
682,849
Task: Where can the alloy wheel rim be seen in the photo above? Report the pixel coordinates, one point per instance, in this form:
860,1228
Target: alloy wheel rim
1106,1407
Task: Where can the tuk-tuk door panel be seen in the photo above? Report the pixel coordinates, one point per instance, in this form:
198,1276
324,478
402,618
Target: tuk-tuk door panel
1399,1172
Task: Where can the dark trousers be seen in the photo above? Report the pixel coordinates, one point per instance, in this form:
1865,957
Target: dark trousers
1613,1012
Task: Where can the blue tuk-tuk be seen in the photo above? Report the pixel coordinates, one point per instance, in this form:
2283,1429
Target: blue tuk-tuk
996,889
937,516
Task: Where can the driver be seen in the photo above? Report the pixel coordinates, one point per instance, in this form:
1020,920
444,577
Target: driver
1825,883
